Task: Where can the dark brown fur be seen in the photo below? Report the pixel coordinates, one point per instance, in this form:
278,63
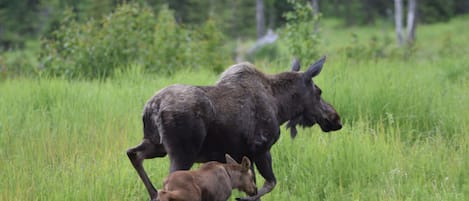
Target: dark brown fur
241,115
213,181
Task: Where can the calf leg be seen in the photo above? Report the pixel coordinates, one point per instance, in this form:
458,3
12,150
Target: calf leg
145,150
264,165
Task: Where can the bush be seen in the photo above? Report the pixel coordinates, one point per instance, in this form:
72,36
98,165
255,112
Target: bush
301,39
170,46
372,49
130,35
20,62
97,47
175,47
209,49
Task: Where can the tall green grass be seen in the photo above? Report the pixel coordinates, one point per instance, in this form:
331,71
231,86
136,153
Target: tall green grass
64,140
405,136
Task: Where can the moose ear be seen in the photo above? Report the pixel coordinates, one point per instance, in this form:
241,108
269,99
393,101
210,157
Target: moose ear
295,65
246,163
230,160
314,69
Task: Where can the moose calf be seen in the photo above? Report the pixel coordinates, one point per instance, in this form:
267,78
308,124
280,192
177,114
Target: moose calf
213,181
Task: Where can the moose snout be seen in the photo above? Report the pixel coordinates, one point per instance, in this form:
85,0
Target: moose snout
331,123
335,123
337,127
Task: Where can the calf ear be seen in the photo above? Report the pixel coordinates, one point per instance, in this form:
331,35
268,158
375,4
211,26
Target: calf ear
314,69
246,163
295,65
230,160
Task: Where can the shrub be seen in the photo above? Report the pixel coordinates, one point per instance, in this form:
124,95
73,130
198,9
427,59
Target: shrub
170,46
97,47
301,39
20,62
209,48
372,49
131,35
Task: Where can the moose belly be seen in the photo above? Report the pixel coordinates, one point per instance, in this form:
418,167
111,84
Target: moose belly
217,144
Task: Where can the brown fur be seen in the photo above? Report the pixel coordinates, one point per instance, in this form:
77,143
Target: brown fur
240,115
213,181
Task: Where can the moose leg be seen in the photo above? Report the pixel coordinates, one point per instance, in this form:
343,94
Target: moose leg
182,159
180,165
264,165
186,142
254,178
145,150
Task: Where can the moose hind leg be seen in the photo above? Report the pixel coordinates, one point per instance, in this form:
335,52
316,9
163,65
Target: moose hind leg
184,156
145,150
186,143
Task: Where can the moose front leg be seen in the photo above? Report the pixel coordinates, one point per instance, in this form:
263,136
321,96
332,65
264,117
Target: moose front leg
264,165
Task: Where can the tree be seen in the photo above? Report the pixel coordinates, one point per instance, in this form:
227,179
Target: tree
315,6
19,21
398,20
411,15
260,19
411,18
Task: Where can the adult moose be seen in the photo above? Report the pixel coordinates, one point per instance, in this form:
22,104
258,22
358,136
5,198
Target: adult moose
241,115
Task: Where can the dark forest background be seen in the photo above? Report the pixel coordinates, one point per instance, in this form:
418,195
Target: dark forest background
22,20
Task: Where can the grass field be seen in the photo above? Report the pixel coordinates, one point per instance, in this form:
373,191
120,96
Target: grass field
405,135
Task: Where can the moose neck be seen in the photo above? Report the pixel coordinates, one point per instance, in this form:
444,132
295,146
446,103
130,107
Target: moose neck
282,86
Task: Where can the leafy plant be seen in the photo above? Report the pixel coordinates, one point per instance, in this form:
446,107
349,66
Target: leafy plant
131,35
97,47
301,39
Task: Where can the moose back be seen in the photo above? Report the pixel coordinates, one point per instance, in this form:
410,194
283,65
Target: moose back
240,115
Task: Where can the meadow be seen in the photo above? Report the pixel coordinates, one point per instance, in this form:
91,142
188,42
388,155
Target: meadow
405,135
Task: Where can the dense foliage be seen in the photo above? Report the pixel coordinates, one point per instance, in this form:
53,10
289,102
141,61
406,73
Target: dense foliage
131,35
299,34
21,20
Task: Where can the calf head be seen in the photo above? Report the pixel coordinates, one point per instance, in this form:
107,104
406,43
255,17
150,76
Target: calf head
312,108
241,175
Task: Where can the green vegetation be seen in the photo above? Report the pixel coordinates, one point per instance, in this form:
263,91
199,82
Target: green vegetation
23,20
131,35
405,135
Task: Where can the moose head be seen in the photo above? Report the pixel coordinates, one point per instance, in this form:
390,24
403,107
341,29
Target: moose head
312,108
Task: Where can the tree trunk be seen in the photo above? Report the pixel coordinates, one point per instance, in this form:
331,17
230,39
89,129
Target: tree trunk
398,20
315,5
260,19
411,15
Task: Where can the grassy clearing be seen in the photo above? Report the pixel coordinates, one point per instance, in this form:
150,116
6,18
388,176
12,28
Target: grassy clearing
405,135
62,140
